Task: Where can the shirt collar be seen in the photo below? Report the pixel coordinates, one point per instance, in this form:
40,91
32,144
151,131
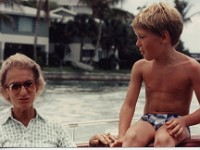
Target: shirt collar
7,115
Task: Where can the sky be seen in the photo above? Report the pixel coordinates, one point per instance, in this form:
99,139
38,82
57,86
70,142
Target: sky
191,31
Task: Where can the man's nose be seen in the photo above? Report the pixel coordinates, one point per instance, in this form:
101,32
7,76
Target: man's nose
22,90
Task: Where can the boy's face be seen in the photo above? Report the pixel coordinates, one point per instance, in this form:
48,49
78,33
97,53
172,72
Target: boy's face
149,44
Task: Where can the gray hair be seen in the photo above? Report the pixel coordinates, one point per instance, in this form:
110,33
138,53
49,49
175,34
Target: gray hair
23,62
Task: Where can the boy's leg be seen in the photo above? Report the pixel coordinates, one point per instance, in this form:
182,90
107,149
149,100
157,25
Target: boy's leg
163,138
139,134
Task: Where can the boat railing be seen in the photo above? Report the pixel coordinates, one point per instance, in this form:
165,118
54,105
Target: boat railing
194,141
75,125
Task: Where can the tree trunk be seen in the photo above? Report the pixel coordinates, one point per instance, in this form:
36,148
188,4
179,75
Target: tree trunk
81,50
37,21
98,39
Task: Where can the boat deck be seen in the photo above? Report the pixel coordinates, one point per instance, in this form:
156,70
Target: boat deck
193,142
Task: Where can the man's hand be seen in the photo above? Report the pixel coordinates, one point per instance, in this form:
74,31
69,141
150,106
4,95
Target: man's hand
102,140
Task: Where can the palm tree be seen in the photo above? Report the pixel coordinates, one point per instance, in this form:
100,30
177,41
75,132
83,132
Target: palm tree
114,39
99,10
6,18
114,36
183,7
83,26
40,5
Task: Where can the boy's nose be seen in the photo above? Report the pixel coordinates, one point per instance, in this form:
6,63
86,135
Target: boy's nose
137,43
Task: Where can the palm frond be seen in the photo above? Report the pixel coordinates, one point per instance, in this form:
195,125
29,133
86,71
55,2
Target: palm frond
8,20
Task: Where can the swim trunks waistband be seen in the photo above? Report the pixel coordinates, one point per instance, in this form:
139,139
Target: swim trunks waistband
157,120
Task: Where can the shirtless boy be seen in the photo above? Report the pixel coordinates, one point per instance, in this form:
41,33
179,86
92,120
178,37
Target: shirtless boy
169,78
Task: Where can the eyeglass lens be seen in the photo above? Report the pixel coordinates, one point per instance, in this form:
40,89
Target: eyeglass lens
16,86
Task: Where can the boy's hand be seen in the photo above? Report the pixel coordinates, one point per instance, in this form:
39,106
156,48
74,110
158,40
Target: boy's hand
176,127
118,142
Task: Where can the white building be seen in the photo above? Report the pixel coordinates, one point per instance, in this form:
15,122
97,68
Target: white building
21,37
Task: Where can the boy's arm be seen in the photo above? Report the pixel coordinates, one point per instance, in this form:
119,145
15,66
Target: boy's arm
128,107
194,118
176,126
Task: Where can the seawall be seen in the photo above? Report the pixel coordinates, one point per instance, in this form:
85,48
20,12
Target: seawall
86,76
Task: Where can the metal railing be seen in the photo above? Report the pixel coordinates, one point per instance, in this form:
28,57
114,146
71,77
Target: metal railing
75,125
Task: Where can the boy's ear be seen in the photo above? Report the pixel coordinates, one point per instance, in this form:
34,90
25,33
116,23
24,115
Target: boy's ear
165,37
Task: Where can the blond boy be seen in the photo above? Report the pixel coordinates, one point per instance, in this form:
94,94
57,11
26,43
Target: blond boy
169,78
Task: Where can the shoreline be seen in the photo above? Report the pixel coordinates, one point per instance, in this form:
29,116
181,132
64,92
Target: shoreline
86,76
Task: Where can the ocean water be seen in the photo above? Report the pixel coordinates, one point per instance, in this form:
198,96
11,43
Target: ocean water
88,107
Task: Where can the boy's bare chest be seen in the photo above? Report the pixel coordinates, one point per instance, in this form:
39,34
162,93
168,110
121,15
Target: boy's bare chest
171,79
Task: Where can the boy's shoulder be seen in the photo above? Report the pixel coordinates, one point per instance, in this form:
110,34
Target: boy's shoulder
188,61
142,65
143,62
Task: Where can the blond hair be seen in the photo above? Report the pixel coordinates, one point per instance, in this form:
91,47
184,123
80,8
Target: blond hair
158,18
23,62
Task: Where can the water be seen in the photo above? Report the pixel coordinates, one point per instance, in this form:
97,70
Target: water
86,101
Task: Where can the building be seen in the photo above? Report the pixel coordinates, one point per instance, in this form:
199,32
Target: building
88,47
74,6
196,56
20,38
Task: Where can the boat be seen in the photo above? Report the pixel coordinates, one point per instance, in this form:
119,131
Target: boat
194,141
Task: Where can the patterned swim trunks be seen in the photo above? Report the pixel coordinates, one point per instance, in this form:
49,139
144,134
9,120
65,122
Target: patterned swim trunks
157,120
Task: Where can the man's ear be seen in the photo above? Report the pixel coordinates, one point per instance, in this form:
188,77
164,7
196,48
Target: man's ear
165,37
37,87
4,92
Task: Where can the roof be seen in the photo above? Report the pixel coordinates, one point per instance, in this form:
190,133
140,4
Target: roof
23,10
64,10
66,2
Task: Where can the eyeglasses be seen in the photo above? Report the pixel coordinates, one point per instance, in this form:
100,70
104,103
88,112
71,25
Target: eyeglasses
16,86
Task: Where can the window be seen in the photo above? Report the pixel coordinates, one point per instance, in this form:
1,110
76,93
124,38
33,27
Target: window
25,24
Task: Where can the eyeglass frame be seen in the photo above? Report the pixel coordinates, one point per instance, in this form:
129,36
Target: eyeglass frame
29,85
